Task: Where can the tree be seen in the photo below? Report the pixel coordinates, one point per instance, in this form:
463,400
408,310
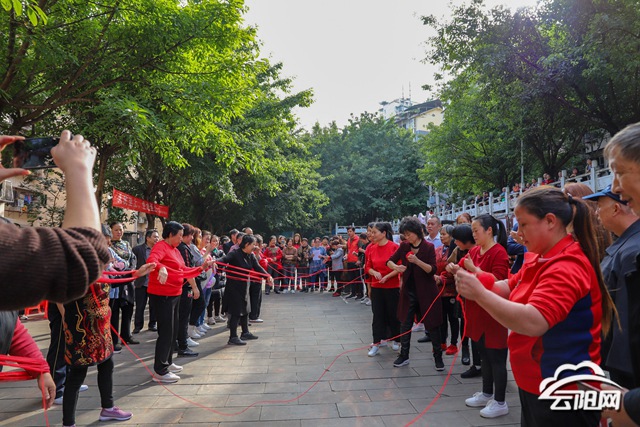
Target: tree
549,77
370,170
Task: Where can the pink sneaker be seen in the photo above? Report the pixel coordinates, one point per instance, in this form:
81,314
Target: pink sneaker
114,413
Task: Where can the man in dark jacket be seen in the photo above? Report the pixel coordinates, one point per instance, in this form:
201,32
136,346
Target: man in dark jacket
141,252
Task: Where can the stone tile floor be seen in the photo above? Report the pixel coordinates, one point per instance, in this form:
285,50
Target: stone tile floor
309,368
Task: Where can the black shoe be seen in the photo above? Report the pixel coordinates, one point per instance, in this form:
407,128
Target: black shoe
235,341
248,336
466,360
437,357
136,331
276,292
131,341
472,372
153,328
187,353
425,338
267,292
117,349
401,361
351,296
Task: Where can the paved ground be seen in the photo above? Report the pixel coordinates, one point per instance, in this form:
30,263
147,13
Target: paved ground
277,380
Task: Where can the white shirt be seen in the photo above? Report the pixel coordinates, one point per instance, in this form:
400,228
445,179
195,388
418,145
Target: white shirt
435,241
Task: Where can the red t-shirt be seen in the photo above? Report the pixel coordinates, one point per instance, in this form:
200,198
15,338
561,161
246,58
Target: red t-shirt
352,250
478,321
165,255
563,287
377,257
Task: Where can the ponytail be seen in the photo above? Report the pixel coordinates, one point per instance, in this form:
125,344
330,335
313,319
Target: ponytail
585,233
543,200
497,227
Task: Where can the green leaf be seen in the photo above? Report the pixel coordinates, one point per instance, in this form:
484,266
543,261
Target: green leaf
41,14
17,6
6,4
32,16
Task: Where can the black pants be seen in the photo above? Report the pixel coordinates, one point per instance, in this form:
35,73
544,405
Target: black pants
277,277
353,285
167,317
494,370
407,324
384,305
233,325
76,377
118,305
55,354
197,306
255,298
214,302
449,318
184,313
476,357
303,273
538,413
141,304
336,275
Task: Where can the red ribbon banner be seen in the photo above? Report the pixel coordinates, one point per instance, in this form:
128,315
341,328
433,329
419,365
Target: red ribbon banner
127,201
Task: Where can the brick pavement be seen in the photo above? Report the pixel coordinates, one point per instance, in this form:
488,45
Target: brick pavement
300,338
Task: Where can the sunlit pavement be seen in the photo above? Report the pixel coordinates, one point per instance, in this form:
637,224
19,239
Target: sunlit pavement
289,377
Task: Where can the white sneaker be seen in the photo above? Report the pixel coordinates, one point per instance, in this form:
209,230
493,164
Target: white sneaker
193,333
168,378
211,320
57,401
84,387
417,327
285,291
373,351
478,400
201,330
220,319
206,327
293,291
257,321
395,346
494,409
383,343
364,300
175,368
368,302
192,343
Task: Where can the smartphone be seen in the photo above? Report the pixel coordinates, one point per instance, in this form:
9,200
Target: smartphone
34,153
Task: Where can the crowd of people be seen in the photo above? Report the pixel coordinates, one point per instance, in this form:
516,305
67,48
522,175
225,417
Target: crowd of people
557,290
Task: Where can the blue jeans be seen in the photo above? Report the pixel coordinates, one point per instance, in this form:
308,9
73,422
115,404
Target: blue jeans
206,294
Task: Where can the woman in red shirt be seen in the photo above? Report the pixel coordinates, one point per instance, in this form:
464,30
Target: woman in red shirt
165,288
556,306
273,255
385,287
490,257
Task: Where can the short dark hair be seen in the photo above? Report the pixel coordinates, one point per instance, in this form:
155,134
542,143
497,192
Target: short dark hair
171,229
188,229
246,239
412,225
351,227
149,233
463,233
233,232
386,228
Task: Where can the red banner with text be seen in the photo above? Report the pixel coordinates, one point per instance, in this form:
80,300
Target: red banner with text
127,201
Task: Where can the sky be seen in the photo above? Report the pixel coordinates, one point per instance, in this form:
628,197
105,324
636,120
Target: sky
353,54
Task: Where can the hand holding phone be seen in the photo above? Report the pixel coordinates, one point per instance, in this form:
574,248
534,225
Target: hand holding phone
34,153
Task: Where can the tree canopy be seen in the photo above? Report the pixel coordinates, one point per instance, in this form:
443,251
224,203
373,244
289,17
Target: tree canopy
548,76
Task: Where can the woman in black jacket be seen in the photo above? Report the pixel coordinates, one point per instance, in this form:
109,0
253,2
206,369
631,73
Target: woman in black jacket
236,290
